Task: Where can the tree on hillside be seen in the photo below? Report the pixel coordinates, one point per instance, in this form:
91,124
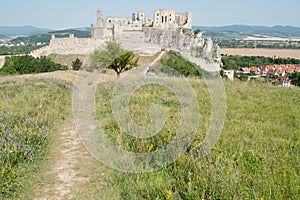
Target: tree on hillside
113,57
28,64
76,64
295,77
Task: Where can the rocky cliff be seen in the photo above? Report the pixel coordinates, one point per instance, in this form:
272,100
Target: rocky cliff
186,41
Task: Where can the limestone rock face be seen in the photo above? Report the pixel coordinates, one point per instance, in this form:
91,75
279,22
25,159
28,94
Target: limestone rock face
185,41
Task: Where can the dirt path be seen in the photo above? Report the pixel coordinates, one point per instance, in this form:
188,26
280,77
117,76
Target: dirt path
70,171
67,154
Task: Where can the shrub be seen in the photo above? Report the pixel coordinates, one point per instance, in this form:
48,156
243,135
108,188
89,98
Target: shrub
76,64
28,64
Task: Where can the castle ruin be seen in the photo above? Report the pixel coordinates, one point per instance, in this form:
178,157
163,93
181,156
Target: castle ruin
167,29
162,19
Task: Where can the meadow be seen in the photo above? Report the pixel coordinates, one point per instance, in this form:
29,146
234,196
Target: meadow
256,157
30,111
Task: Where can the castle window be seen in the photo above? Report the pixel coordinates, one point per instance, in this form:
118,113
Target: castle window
166,19
162,19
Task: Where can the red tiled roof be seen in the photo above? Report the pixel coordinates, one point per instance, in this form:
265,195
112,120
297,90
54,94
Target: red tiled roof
284,67
269,67
254,69
289,70
291,66
277,67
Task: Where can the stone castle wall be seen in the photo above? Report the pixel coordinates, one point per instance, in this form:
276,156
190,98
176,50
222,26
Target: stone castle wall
133,35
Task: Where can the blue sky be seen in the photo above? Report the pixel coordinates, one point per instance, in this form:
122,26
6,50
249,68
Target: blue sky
60,14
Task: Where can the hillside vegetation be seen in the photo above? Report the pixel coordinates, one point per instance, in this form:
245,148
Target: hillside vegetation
174,64
29,113
28,65
236,61
65,60
257,156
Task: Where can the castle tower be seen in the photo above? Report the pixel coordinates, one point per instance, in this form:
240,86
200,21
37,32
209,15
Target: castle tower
164,19
141,16
99,18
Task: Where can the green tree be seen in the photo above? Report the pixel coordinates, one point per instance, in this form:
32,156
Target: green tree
113,57
76,64
295,77
28,64
243,77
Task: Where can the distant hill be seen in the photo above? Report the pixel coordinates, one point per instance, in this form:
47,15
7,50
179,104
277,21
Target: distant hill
45,38
277,31
3,37
22,30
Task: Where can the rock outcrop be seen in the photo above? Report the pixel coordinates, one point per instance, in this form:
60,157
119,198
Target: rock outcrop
186,41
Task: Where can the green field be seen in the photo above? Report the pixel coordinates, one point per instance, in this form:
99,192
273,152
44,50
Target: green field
256,157
29,114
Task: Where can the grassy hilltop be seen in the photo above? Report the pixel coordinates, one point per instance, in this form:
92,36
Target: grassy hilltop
257,155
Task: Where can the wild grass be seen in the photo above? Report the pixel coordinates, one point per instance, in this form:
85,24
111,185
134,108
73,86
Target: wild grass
29,113
256,157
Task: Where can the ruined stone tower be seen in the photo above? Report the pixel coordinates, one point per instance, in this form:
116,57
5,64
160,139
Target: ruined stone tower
169,19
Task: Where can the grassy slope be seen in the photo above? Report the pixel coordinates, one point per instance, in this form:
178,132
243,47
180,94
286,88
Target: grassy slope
66,59
257,156
30,112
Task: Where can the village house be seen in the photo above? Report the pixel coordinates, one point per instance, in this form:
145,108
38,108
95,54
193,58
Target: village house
285,82
229,74
273,71
255,70
244,70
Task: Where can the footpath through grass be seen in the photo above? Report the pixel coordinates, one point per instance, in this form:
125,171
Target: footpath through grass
257,156
29,113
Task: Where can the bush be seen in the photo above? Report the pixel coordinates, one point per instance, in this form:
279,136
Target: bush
28,64
76,64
